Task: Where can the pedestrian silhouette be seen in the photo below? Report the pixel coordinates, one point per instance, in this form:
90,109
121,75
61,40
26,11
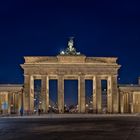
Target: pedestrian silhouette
39,111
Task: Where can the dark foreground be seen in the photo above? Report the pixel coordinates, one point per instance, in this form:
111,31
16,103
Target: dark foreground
102,128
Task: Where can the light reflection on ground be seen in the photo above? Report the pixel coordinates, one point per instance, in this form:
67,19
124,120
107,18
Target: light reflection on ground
92,128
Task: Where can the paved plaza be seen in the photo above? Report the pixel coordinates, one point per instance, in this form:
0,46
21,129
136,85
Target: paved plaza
70,127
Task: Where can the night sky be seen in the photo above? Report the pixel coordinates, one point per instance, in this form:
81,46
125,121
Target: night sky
42,28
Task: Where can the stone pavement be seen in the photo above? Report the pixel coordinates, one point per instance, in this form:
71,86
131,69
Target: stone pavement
71,127
52,115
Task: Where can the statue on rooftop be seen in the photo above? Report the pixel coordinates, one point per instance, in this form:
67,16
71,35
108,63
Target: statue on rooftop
70,50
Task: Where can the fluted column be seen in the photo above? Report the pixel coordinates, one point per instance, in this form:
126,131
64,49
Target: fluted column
109,94
45,93
15,102
98,94
14,109
81,94
9,102
26,97
28,93
94,94
31,94
121,103
61,93
132,102
127,100
19,101
115,95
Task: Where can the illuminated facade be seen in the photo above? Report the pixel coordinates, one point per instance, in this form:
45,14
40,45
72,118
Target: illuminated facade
70,64
11,98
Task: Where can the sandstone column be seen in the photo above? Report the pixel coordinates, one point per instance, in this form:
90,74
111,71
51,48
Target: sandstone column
26,96
127,102
121,103
109,94
94,95
19,101
98,94
14,108
9,103
115,95
132,102
31,94
45,93
81,94
6,100
28,93
61,93
15,102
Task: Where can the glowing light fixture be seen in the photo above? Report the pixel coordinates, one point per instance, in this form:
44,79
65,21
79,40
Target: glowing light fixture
62,52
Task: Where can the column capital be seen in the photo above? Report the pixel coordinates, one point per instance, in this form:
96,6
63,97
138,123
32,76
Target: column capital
60,75
114,76
81,75
25,75
44,76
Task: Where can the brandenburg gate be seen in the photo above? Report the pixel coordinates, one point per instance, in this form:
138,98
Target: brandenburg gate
70,64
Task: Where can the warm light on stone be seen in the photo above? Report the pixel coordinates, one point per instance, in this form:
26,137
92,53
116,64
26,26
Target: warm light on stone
73,65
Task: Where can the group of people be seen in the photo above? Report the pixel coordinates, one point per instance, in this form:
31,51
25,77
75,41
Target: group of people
40,111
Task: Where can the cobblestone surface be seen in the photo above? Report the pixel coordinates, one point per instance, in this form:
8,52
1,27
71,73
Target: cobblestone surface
100,127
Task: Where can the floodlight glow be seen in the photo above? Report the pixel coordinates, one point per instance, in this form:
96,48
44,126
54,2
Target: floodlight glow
62,52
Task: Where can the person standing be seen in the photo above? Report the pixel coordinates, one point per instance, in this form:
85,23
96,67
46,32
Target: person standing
21,111
39,111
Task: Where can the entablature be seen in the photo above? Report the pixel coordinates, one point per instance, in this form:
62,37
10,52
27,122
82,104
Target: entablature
11,87
69,59
70,71
129,88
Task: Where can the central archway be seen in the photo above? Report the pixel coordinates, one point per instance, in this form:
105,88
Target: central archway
70,96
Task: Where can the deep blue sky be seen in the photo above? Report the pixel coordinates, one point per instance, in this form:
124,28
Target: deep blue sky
100,28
